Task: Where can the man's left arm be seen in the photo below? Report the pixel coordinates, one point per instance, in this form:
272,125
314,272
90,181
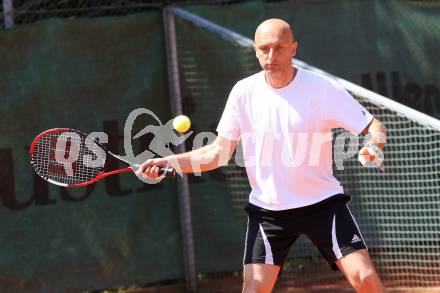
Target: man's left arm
371,154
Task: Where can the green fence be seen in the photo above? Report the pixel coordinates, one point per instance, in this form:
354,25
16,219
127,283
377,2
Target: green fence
89,75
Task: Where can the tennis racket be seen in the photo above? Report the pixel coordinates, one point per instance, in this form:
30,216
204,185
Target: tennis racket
68,157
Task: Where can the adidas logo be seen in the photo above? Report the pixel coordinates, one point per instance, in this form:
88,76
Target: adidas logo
355,239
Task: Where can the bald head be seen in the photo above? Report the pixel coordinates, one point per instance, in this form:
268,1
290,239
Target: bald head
275,47
275,27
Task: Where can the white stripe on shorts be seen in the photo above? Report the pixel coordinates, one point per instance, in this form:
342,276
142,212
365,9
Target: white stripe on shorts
359,230
245,242
336,249
267,248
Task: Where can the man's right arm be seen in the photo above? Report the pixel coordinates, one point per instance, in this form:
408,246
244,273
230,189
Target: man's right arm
206,158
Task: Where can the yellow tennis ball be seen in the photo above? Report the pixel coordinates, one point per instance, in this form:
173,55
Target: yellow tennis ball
181,123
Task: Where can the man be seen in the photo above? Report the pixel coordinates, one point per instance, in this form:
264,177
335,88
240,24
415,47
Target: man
278,106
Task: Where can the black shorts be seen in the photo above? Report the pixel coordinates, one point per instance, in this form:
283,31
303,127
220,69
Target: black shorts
329,224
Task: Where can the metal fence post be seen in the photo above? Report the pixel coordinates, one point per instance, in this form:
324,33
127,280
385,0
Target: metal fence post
8,13
183,184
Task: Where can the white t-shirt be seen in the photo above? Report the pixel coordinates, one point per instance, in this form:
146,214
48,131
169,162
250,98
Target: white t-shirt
286,136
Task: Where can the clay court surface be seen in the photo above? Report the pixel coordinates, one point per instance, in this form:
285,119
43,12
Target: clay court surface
233,284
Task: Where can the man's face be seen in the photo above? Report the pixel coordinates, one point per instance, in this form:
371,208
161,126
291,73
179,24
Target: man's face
274,49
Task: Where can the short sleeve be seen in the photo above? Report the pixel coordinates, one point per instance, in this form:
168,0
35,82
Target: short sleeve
343,111
228,126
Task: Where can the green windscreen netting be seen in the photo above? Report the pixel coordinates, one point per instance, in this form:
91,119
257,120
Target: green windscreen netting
88,75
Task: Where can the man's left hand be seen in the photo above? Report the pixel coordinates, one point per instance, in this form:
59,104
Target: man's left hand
371,156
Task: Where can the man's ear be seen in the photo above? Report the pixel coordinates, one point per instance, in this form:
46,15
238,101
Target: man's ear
294,47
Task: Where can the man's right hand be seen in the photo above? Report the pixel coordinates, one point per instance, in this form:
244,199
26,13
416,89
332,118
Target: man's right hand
150,168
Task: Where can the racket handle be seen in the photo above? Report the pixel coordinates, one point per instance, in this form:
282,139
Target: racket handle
168,172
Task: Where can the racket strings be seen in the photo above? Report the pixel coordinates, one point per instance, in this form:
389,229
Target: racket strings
66,158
